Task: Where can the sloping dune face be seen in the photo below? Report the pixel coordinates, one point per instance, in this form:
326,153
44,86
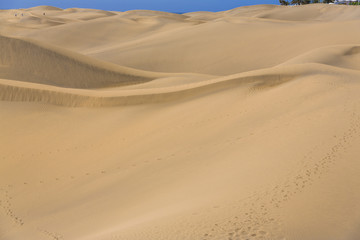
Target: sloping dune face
243,124
31,62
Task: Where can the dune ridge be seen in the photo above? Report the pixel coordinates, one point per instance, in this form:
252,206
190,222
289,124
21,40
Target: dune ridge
32,62
12,91
256,80
334,60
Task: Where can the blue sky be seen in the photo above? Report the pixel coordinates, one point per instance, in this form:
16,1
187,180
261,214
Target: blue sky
123,5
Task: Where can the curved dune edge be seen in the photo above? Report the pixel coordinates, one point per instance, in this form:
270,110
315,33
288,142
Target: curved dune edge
29,92
30,61
342,56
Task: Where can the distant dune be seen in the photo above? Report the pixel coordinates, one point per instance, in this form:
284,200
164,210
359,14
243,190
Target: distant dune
147,125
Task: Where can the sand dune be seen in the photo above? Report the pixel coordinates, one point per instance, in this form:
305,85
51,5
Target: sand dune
45,8
190,45
337,56
242,124
33,62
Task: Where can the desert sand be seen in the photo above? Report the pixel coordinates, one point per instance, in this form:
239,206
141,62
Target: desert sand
146,125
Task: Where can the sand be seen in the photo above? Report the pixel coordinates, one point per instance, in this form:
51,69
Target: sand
146,125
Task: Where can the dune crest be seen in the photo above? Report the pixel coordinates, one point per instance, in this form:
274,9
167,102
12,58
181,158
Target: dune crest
45,8
32,62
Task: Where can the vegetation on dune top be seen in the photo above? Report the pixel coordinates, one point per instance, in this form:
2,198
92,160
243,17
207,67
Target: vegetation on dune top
303,2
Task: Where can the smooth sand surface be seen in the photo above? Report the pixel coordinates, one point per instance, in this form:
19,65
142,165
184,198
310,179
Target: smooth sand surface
145,125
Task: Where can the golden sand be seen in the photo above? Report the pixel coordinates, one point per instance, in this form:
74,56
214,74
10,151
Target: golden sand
146,125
